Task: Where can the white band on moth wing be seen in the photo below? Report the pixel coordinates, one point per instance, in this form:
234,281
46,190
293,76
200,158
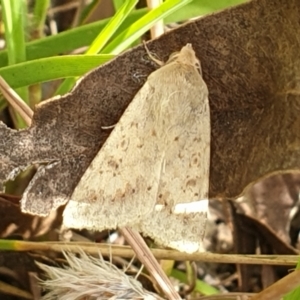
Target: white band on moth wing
188,247
186,208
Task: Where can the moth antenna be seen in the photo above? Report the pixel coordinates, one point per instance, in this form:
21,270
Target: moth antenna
159,62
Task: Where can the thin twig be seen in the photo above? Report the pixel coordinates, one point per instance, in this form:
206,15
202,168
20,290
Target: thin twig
125,251
146,257
280,288
16,102
158,28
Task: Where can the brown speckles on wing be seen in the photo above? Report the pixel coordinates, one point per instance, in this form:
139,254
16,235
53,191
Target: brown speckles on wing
122,181
185,176
158,154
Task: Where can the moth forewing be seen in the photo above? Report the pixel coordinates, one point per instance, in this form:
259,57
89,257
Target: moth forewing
157,155
187,155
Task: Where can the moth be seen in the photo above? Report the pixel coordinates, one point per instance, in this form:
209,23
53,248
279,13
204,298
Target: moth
153,170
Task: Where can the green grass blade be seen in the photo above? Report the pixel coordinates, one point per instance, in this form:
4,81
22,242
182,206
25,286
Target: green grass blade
13,13
118,3
39,16
88,10
52,68
133,32
69,40
201,286
200,8
101,40
112,27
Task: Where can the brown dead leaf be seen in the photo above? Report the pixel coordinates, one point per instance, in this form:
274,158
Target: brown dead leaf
250,233
251,61
271,201
248,230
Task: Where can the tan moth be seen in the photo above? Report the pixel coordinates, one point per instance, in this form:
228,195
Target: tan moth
153,169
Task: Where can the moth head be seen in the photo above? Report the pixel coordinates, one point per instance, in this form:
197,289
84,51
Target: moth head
186,56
